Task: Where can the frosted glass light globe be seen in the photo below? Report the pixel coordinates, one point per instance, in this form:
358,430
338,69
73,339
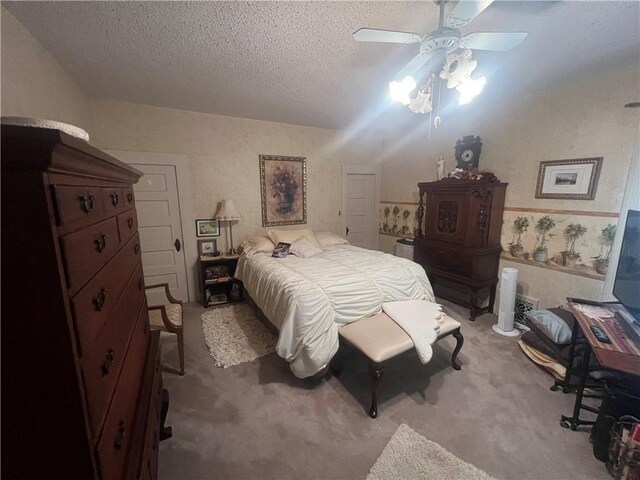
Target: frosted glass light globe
399,91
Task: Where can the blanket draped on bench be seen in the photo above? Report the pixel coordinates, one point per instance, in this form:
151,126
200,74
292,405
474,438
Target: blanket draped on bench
419,318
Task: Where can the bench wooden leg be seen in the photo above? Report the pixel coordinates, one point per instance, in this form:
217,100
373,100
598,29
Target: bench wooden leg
459,341
375,374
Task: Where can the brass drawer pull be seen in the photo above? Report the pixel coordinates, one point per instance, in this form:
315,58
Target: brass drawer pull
118,442
129,197
87,202
99,300
130,222
107,362
136,248
101,243
115,199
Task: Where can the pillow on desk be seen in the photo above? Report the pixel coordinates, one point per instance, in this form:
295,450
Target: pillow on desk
551,325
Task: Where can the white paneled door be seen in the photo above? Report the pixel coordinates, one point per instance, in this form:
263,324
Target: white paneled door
160,227
360,209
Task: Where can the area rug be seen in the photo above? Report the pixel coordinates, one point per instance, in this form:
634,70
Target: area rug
409,455
234,335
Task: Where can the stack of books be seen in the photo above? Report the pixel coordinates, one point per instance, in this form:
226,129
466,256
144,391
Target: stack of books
217,280
217,299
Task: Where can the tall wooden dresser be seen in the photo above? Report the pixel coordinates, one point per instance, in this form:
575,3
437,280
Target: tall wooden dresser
81,385
458,239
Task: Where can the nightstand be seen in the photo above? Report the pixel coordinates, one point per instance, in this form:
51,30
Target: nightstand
217,281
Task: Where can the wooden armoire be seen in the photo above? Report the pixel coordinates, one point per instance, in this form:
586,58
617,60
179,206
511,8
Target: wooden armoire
457,239
82,394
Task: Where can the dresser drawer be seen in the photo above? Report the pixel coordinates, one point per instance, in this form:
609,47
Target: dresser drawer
101,366
129,197
87,251
116,436
92,306
77,203
127,224
152,442
157,387
444,260
112,199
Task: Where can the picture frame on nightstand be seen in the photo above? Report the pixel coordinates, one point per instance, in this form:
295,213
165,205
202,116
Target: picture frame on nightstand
207,248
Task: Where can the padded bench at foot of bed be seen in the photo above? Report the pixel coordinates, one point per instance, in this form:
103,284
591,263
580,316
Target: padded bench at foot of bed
379,338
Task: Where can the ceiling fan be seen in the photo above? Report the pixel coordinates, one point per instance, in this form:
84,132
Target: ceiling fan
438,48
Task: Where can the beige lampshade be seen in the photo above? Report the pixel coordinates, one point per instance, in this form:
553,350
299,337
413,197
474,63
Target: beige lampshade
228,212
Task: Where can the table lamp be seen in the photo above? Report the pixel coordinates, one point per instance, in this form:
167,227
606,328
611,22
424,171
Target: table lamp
229,213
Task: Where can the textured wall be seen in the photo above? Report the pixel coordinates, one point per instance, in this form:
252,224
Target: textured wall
34,84
223,154
585,118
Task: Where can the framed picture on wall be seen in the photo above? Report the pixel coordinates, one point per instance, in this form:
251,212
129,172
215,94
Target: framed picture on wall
207,228
575,179
283,188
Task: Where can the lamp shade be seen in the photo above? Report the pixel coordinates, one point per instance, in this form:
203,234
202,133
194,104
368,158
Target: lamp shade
228,211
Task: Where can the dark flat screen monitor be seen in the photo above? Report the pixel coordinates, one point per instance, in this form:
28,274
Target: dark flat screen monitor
626,287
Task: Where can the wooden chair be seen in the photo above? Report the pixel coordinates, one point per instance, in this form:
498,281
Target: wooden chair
168,318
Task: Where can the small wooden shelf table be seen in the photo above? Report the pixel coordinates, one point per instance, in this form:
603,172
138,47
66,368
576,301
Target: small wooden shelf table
217,281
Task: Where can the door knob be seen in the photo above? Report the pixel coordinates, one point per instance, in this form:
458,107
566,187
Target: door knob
177,244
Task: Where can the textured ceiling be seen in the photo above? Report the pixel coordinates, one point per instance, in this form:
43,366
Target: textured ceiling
296,62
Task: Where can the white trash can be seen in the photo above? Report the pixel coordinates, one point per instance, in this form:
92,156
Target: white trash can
404,248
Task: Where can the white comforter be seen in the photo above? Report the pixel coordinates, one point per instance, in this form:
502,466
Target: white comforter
309,298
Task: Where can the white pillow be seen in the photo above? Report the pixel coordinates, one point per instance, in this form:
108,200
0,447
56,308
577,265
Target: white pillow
259,244
329,238
290,236
303,248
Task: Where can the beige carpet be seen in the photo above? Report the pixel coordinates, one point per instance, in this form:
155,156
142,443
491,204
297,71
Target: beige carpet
409,455
234,335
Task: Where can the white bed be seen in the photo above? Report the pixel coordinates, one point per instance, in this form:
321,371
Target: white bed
308,299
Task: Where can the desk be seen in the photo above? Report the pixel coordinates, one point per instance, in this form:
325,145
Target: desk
622,354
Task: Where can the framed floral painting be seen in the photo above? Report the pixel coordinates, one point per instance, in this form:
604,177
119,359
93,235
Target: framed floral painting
283,188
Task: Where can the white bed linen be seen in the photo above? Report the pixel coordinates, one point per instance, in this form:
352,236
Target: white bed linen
308,299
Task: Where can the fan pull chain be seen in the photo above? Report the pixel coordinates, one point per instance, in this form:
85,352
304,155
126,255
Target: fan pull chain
438,120
433,81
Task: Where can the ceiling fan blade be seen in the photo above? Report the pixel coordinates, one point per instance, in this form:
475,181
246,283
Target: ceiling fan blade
498,41
465,11
386,36
414,65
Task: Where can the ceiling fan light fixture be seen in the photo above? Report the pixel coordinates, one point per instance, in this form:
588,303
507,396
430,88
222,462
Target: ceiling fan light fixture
423,101
470,89
458,68
400,91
